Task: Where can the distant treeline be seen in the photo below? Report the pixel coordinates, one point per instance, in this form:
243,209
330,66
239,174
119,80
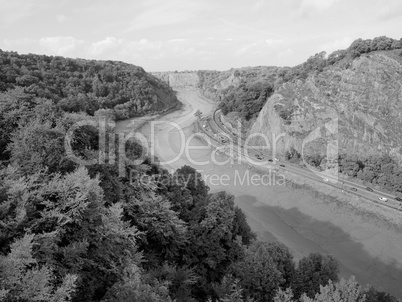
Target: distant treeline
119,89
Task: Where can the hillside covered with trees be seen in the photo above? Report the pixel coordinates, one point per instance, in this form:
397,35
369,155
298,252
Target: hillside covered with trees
242,91
75,85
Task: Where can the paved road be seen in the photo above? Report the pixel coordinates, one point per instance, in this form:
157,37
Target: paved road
218,130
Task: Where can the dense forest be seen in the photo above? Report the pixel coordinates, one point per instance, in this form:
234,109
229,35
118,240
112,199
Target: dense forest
381,171
107,87
82,234
246,99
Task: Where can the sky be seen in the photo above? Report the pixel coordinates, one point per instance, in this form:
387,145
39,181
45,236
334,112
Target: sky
163,35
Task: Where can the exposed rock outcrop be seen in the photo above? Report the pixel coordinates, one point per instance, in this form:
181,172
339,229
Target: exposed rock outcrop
366,97
179,79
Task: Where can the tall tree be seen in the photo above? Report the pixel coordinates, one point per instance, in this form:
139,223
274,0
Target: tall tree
314,271
258,273
346,290
23,278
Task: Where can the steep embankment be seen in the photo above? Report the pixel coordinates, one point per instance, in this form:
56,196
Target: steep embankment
366,97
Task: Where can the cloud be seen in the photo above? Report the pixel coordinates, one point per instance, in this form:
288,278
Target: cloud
257,6
157,14
14,11
121,49
285,53
22,45
105,45
258,48
335,45
390,10
245,49
177,40
146,45
320,5
273,41
18,42
60,45
61,18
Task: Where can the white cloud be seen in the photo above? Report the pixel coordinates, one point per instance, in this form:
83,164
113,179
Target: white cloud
285,53
390,10
120,49
157,14
61,18
107,44
330,47
245,49
317,4
18,42
60,45
258,48
146,45
257,6
273,41
12,12
177,40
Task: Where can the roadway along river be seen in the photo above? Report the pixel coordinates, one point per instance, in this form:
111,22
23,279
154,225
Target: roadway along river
299,218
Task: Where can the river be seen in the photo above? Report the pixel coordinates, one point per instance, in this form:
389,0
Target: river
299,218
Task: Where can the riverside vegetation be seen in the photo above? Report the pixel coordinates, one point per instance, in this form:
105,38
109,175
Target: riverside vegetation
73,233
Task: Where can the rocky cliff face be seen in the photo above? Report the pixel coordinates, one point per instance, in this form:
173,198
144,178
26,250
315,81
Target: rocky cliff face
364,98
178,79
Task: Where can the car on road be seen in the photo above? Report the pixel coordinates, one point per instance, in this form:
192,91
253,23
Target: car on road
325,179
398,198
270,160
369,189
353,189
383,199
282,165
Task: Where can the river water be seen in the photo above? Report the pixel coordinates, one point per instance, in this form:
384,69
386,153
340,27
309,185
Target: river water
299,218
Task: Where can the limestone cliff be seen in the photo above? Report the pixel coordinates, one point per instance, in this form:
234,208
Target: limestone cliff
178,80
365,95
